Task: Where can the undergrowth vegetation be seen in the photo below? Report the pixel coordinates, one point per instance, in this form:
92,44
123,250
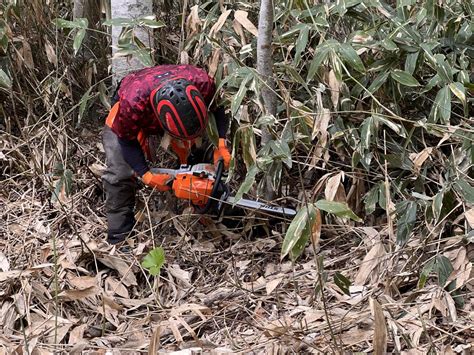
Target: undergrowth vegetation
372,143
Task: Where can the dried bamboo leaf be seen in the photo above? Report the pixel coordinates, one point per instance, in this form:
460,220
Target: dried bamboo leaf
4,264
241,17
335,87
273,284
155,343
371,264
419,158
470,217
193,22
380,328
75,295
219,23
124,269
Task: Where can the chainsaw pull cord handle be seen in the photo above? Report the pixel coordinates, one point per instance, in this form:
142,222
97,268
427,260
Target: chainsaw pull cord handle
215,188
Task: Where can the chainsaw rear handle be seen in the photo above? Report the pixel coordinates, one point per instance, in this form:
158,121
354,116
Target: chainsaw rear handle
215,189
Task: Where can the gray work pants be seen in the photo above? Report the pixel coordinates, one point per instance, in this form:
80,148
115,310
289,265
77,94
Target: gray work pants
120,187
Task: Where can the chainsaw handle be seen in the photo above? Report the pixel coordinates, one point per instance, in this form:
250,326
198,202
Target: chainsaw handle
172,172
215,188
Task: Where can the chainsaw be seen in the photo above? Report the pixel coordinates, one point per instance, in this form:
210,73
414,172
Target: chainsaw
202,185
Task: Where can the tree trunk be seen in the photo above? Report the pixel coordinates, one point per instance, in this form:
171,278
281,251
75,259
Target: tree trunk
92,60
94,45
78,10
91,10
265,70
129,9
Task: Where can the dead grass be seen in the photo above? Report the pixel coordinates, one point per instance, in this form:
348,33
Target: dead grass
63,289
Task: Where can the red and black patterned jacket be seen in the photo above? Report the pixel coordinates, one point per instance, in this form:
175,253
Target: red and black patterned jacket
135,112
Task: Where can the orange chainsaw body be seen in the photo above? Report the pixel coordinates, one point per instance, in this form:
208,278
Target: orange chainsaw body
202,186
193,187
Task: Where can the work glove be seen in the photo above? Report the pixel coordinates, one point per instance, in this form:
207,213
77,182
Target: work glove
222,152
161,182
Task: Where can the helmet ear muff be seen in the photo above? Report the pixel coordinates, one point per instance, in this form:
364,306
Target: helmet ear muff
180,109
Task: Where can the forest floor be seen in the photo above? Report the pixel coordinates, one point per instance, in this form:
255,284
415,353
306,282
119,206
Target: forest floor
64,289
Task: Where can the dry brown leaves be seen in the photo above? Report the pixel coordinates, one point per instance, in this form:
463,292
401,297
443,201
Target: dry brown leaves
62,289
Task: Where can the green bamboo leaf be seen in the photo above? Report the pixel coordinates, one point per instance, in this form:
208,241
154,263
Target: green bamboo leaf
298,232
398,161
402,3
280,151
443,268
57,190
377,83
389,45
294,74
428,52
120,22
434,81
441,110
103,96
397,128
420,17
465,189
239,96
78,38
342,282
249,145
295,29
287,153
275,171
150,21
404,78
336,64
425,272
80,23
298,248
154,261
338,209
83,105
463,76
406,219
5,81
211,129
63,185
371,199
366,132
382,195
235,148
320,54
144,56
459,90
340,8
351,57
437,204
248,182
126,39
301,43
410,62
266,120
443,69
